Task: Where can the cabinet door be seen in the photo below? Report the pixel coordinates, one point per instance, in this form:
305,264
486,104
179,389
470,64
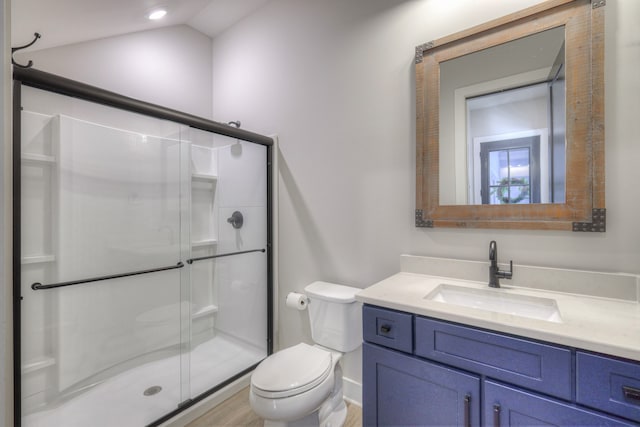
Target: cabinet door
510,406
399,389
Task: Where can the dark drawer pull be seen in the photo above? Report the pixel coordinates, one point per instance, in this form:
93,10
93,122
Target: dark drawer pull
496,415
631,394
467,410
385,329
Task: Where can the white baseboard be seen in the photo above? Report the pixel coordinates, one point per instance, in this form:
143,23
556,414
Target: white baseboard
205,405
352,391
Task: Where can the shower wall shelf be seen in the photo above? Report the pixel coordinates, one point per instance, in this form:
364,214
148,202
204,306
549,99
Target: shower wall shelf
204,243
37,158
38,259
38,365
205,311
204,177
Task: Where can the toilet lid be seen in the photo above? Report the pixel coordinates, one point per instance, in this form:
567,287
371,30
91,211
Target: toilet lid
292,371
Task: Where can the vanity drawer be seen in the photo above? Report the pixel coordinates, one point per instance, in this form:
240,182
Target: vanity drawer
390,328
541,367
608,384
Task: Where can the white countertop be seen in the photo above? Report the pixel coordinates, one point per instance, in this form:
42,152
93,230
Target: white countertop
605,325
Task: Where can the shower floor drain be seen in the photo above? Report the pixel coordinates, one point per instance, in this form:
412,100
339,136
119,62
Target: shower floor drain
152,390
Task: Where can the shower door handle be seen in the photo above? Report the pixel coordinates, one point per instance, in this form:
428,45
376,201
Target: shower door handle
202,258
39,286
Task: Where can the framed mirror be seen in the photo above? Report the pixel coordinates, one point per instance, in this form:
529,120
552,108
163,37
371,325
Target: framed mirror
510,122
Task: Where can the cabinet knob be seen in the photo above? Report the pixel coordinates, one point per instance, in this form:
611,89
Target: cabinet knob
385,329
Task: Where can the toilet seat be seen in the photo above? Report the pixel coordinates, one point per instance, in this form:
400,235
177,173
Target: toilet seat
291,371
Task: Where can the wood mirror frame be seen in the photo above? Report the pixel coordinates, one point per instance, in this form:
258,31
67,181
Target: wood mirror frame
584,207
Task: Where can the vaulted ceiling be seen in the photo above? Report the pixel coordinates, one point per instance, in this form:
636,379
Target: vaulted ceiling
62,22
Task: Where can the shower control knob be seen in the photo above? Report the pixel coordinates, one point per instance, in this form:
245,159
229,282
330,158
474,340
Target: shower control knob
236,219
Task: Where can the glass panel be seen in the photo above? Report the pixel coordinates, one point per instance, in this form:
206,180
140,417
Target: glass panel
498,167
101,196
519,164
230,335
107,192
229,294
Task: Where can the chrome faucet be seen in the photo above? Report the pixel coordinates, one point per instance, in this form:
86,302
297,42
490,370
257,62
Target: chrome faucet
495,274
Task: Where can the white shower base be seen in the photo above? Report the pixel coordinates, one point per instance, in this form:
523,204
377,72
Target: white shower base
120,402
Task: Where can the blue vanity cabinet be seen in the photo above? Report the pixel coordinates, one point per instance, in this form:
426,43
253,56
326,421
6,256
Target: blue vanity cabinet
428,372
402,390
509,406
542,367
608,384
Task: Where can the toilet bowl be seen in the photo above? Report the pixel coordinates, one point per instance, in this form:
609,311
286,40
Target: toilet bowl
291,386
302,385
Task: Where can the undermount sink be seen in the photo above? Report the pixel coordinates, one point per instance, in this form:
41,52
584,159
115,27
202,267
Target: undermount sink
497,300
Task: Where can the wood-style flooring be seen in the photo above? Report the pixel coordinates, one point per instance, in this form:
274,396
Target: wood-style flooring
236,411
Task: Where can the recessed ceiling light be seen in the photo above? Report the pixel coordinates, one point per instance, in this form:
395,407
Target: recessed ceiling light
157,14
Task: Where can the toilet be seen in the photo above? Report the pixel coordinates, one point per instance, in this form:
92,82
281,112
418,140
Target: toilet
302,385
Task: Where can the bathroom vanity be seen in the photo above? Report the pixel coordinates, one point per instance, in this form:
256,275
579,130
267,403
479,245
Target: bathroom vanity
432,357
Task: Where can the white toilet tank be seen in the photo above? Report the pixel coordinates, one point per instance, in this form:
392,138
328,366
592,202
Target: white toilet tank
335,315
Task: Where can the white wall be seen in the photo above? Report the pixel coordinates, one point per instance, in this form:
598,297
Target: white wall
335,81
167,66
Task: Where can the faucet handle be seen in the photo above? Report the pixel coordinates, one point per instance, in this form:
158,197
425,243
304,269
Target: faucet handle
507,274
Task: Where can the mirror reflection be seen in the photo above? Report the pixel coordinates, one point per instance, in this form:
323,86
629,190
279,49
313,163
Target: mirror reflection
502,123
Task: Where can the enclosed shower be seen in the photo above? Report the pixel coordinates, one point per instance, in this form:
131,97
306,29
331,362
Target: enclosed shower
142,256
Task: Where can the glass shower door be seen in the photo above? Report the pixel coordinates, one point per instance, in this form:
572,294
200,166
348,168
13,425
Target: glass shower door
102,239
228,258
143,280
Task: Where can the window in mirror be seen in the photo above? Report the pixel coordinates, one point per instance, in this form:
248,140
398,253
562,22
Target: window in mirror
510,171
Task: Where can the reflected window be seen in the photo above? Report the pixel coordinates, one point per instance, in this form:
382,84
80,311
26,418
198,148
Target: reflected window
510,171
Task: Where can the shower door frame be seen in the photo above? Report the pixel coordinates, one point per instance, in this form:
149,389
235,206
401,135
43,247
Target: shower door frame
63,86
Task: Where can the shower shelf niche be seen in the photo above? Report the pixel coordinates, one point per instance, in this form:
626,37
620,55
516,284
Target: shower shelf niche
204,233
39,177
204,180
